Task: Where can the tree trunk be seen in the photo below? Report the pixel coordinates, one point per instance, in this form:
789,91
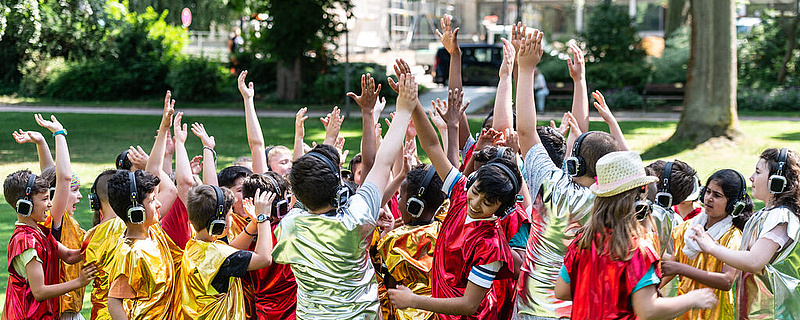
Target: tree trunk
710,99
289,75
790,46
677,15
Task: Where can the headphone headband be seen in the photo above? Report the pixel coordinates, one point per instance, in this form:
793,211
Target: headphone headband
743,189
327,161
220,201
508,172
666,175
274,184
132,178
122,158
577,145
266,153
782,160
29,186
426,181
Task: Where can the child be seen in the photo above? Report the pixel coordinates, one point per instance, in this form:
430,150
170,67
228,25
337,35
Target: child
232,178
611,270
33,253
100,242
407,250
675,183
273,289
211,271
334,277
279,159
727,209
767,287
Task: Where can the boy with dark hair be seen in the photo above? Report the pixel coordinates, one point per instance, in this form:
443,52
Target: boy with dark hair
33,253
407,251
145,263
211,270
272,291
232,178
568,200
326,246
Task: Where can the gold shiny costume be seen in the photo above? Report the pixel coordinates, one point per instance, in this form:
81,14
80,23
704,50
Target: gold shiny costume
724,309
774,292
72,238
152,267
665,221
408,254
237,224
101,242
199,300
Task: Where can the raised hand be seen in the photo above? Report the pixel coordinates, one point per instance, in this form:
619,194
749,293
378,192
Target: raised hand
488,137
448,35
181,131
333,124
170,147
518,33
563,127
452,110
380,104
169,109
299,120
407,96
369,93
53,125
196,165
246,90
602,107
577,66
27,136
339,145
434,114
511,139
410,151
508,59
263,202
138,157
400,68
199,130
573,125
530,51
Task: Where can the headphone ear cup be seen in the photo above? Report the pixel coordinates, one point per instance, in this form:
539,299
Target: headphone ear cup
94,202
470,180
702,197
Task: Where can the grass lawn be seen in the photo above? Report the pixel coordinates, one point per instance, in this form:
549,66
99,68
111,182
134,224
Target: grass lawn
95,141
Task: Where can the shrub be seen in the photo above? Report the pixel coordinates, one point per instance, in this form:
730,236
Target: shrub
674,61
761,55
554,69
779,99
261,71
36,74
616,75
196,79
626,98
611,36
329,87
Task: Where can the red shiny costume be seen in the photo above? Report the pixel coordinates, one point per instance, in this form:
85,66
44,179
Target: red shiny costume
462,246
274,288
602,287
20,303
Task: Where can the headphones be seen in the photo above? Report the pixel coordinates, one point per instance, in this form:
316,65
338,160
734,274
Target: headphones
24,204
736,208
121,160
416,204
642,206
280,207
663,197
94,200
340,193
217,224
136,213
777,181
493,162
266,152
576,164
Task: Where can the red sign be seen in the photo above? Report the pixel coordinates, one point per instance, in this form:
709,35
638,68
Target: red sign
186,17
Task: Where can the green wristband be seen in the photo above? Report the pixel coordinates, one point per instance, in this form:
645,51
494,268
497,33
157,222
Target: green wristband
62,131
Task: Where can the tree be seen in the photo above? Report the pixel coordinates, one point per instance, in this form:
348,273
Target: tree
710,99
677,15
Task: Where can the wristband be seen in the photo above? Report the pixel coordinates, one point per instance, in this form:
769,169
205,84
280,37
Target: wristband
62,131
248,233
212,151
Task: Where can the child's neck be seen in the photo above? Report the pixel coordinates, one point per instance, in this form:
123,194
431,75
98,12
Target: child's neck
28,221
203,235
137,231
323,210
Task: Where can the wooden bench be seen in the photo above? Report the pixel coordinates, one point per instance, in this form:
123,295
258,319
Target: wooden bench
560,90
663,92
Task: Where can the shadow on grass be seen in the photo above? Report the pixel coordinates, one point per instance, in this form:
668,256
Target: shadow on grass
789,136
670,147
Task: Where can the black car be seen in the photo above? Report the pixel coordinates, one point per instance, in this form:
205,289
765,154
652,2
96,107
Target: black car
480,64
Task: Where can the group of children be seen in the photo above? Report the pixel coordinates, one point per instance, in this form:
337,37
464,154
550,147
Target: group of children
517,222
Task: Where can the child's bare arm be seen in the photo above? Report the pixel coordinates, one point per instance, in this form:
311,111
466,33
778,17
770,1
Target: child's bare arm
262,256
503,117
209,155
608,117
563,291
451,112
299,132
116,309
42,291
63,169
580,98
752,260
467,304
529,54
648,306
717,280
183,170
333,124
167,193
429,142
366,101
45,158
255,138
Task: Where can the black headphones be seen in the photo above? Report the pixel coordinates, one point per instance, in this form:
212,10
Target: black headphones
24,204
576,164
663,197
94,200
506,209
280,207
341,193
121,160
217,223
266,152
736,207
416,204
777,181
642,206
136,213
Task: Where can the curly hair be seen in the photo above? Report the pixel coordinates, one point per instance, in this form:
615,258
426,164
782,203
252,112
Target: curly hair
791,171
262,181
313,182
15,184
119,190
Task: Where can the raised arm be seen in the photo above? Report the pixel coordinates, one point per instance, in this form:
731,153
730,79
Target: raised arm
580,98
394,186
209,155
183,170
168,153
255,138
333,124
449,37
518,33
430,143
451,112
299,132
393,143
167,193
503,115
63,168
45,158
529,54
366,101
608,117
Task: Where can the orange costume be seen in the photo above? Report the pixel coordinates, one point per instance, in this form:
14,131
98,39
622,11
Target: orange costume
72,238
99,243
199,299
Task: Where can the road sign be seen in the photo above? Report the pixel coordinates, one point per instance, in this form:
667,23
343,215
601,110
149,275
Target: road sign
186,17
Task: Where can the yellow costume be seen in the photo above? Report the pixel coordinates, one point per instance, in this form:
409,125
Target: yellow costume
237,224
199,300
724,309
408,254
100,244
71,237
152,266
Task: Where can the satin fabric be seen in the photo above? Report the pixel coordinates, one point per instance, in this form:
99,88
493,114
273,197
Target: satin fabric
602,286
772,293
724,309
461,246
152,266
665,221
407,252
20,303
274,289
236,225
72,238
198,299
99,245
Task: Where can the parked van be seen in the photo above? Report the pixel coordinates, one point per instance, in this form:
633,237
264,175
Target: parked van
480,64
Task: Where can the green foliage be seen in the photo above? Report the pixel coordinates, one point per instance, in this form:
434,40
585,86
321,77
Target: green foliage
205,13
778,99
329,87
38,72
674,61
626,98
261,71
615,75
198,79
611,36
761,55
554,69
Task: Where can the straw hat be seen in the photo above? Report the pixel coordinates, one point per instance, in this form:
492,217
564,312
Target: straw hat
618,172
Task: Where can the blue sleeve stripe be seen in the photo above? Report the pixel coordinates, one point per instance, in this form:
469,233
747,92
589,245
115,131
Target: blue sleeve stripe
481,275
484,270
